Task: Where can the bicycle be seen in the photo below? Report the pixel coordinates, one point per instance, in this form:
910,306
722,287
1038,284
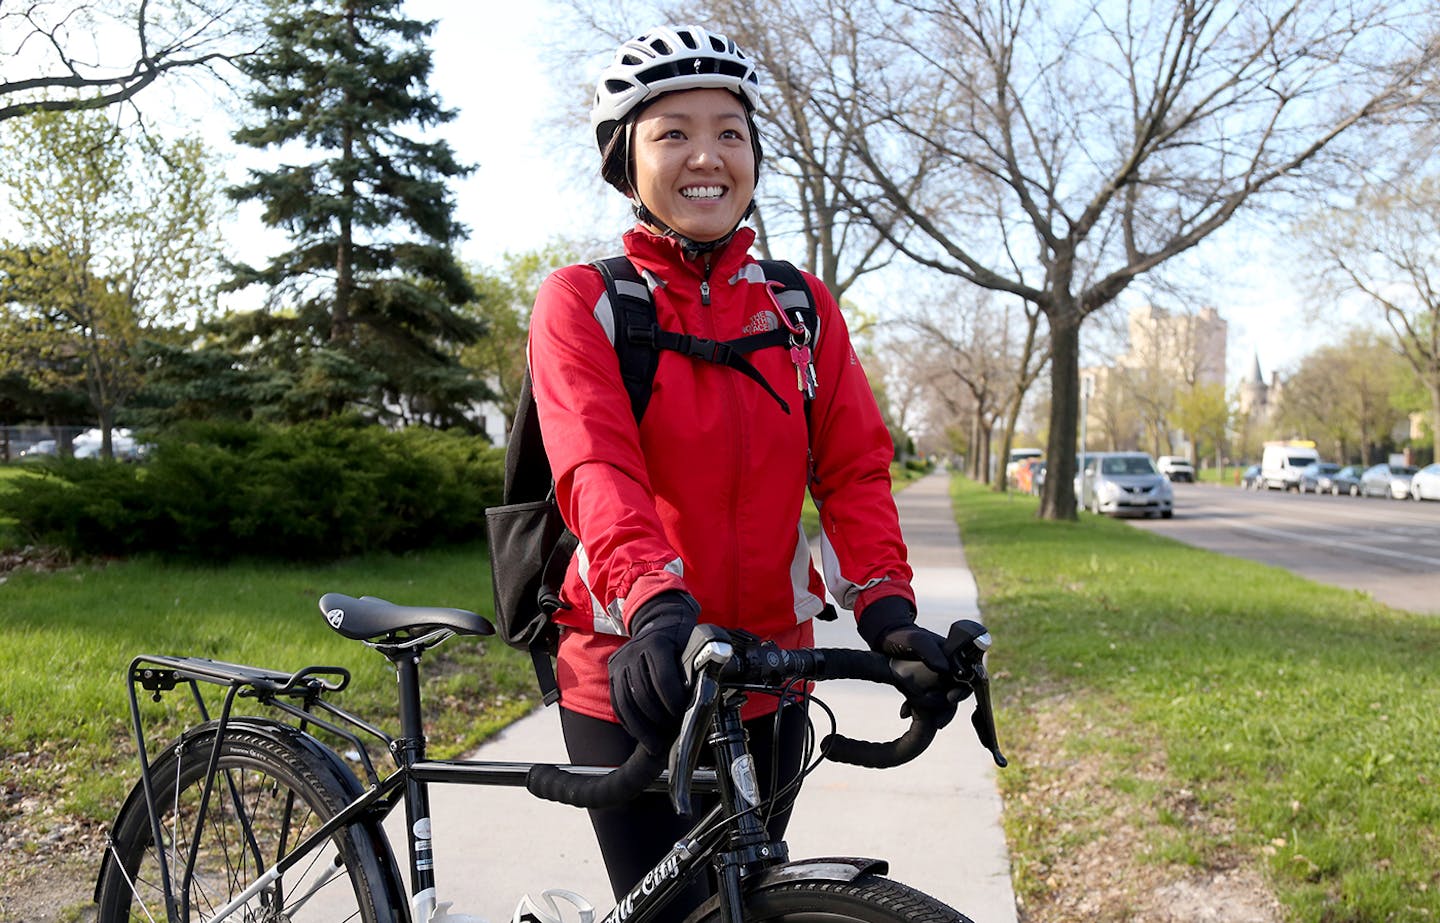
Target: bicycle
258,820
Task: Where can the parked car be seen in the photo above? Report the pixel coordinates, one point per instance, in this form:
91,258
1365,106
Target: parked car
1016,457
1316,477
122,443
1125,482
1025,474
1176,467
1037,483
1425,485
1386,480
1250,478
43,447
1346,481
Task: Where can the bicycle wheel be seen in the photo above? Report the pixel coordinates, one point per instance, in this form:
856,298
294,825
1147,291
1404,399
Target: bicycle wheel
865,899
273,788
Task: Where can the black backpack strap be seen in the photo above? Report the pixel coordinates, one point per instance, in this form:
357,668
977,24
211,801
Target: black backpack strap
716,351
794,295
796,299
639,337
632,308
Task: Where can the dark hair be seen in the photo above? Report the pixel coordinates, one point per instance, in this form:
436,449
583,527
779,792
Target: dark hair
615,157
617,163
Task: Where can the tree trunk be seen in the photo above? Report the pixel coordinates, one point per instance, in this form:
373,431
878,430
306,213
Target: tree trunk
1057,500
987,433
977,457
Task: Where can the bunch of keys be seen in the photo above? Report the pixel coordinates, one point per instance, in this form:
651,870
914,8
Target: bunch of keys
804,368
799,346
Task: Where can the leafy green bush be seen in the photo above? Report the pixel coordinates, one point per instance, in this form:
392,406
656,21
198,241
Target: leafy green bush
222,490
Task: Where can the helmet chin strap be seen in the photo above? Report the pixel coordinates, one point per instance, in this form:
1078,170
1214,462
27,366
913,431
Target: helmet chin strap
689,245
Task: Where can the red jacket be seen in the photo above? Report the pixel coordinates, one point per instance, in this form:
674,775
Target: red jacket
705,494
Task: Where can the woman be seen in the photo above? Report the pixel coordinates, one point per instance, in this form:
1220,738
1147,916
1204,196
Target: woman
693,513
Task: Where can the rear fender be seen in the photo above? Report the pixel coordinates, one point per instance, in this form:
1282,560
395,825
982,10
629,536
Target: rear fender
205,733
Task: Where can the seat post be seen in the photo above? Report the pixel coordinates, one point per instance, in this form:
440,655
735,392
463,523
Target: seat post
408,749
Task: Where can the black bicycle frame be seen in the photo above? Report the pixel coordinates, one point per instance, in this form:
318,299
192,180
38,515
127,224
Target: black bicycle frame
747,849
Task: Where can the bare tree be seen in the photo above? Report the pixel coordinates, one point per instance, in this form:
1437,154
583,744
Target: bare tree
796,50
1057,155
978,347
1343,394
1387,249
791,42
61,55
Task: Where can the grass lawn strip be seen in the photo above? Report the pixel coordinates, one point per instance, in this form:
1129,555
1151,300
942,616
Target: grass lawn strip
1177,717
67,637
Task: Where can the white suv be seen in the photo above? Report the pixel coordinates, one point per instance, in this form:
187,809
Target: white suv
1176,468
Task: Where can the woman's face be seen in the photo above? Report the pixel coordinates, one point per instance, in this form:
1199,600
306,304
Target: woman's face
694,164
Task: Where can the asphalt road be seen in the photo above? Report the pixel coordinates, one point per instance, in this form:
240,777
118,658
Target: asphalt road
1387,548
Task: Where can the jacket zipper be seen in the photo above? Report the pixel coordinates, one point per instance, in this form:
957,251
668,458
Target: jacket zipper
705,284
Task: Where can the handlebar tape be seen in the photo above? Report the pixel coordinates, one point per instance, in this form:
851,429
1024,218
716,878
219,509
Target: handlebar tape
852,664
874,755
619,785
848,663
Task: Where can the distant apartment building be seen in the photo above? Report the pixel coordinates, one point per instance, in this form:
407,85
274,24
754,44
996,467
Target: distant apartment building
1168,353
1186,349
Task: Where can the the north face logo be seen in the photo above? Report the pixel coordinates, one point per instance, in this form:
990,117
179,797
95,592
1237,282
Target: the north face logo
763,322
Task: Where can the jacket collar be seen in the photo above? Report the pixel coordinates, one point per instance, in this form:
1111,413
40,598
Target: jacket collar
665,257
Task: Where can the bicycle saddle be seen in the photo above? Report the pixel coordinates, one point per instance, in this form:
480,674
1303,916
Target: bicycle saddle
371,617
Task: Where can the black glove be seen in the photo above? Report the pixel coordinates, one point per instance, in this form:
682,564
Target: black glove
888,626
647,684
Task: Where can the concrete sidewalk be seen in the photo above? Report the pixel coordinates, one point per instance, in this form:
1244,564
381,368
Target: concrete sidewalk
936,820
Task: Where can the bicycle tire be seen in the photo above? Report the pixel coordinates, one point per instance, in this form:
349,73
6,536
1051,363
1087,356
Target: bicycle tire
288,785
864,899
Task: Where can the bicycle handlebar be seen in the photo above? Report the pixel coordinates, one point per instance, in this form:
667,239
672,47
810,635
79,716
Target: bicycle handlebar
626,781
716,657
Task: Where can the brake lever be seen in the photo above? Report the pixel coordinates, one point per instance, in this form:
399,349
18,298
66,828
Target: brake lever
966,646
708,650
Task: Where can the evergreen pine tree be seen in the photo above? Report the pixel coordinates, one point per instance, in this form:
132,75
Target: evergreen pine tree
361,313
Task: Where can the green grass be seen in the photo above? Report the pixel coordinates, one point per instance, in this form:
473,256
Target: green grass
1226,475
1251,713
66,639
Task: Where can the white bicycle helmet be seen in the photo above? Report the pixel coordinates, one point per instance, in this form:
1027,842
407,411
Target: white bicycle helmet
664,60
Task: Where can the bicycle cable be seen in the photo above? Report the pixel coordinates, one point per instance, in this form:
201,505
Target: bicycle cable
791,789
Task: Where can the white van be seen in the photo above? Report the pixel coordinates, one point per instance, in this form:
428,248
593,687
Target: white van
1280,466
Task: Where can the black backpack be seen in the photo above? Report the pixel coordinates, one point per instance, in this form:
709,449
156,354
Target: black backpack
530,547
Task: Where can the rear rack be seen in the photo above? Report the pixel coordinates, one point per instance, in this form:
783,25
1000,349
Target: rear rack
174,670
298,694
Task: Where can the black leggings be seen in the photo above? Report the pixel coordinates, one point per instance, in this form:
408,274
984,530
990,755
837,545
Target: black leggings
636,835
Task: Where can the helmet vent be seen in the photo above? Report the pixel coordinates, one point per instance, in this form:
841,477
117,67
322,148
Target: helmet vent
665,60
